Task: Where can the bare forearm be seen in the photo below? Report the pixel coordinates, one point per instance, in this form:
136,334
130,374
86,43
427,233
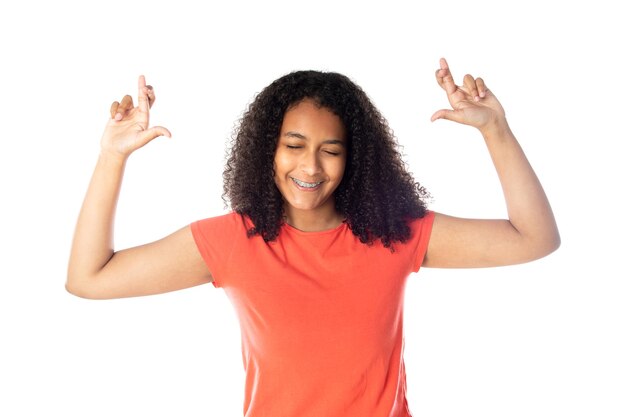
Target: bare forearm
530,232
95,271
93,238
528,207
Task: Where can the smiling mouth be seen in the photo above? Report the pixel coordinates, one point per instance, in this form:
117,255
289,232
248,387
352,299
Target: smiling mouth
303,184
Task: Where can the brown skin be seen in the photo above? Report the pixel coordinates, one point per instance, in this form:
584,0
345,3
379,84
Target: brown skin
97,271
311,148
530,231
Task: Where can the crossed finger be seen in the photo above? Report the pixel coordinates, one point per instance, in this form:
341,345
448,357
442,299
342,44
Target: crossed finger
475,88
444,77
118,110
151,96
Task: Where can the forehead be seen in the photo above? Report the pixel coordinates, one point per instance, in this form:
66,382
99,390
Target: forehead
308,117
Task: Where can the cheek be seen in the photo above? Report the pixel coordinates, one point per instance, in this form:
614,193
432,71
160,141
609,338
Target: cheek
285,162
337,168
279,163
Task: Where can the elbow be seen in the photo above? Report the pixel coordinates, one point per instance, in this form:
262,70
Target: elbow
74,289
78,289
89,287
556,243
547,245
553,241
72,282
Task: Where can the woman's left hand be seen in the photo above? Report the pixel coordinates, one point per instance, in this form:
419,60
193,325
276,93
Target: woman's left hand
472,103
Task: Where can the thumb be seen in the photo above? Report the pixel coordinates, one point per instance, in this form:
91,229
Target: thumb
152,133
446,114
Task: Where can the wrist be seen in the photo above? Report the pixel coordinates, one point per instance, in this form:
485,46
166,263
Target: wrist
499,128
112,158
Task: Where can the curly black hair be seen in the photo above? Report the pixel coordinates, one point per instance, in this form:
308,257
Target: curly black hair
377,195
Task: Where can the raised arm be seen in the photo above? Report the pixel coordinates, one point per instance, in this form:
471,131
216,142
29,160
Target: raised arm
530,232
95,270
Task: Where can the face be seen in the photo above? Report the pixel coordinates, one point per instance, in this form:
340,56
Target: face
310,159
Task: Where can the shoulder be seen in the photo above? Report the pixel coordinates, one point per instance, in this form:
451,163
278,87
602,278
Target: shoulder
421,227
230,219
222,225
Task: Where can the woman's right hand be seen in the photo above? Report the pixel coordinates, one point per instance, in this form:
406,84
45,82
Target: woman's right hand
95,269
128,128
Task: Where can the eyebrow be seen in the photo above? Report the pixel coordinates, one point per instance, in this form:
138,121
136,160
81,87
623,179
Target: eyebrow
297,135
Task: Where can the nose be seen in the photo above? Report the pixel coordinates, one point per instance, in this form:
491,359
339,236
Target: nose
310,163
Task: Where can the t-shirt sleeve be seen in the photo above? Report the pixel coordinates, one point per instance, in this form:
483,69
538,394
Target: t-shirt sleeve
421,232
215,238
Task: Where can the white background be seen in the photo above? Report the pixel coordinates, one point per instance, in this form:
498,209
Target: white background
541,339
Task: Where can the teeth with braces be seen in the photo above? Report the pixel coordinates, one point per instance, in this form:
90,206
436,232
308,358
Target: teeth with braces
306,184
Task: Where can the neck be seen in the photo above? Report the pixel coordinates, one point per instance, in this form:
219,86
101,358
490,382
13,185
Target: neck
324,218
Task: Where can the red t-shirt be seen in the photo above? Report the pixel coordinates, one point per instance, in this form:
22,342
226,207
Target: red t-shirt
320,316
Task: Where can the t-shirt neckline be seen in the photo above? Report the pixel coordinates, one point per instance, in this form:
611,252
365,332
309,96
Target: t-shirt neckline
335,229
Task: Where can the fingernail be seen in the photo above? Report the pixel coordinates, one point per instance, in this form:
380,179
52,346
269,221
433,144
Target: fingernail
118,116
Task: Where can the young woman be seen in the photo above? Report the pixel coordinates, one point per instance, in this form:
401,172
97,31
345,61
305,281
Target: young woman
325,228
